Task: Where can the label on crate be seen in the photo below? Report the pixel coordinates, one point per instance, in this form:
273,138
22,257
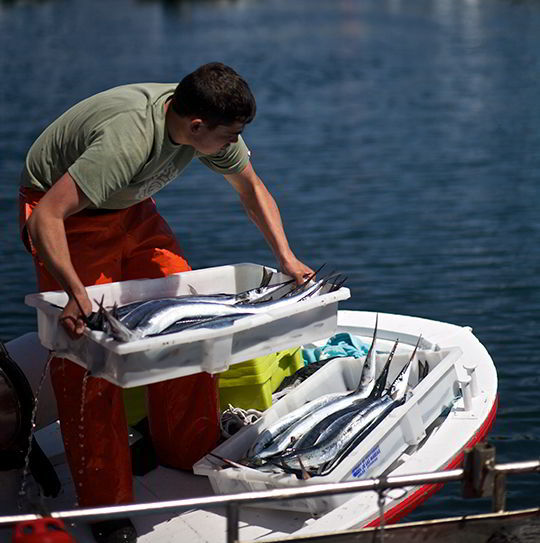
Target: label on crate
366,462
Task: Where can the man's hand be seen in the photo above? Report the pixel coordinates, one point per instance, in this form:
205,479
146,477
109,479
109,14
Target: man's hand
296,269
71,317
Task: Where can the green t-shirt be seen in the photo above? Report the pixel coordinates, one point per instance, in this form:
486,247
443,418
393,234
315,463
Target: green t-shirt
116,147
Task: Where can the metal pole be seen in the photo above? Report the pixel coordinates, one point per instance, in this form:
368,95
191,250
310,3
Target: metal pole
306,491
233,517
498,501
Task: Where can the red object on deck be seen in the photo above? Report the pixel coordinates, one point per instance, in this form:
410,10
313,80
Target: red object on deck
43,530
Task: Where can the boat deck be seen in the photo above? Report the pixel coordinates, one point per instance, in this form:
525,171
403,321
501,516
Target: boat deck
203,525
160,484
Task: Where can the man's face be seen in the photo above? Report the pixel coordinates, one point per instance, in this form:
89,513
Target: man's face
213,140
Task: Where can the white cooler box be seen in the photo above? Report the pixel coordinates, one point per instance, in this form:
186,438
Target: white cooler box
154,359
401,431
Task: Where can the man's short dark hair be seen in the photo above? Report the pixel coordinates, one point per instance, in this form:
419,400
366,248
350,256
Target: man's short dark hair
215,93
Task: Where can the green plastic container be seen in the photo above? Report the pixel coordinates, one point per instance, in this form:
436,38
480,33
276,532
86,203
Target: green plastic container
134,404
250,384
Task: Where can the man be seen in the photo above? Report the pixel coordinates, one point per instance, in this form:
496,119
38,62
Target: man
87,217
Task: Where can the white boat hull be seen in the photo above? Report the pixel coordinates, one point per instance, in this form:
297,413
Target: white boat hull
442,449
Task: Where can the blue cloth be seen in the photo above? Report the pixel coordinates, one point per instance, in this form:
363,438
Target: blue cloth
342,344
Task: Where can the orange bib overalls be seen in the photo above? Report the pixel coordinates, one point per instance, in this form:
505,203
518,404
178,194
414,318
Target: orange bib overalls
119,245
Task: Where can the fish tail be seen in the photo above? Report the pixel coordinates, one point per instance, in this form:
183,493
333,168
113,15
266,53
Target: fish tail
394,389
423,369
266,277
302,286
338,284
370,354
117,328
322,283
378,389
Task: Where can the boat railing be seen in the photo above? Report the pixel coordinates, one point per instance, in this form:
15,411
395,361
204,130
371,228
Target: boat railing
480,477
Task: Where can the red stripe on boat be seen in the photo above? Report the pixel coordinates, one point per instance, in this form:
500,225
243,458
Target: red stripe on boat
406,506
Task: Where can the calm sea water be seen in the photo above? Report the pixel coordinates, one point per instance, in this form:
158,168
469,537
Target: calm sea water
401,139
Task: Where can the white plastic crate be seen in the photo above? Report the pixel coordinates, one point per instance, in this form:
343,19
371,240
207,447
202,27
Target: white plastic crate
187,352
401,431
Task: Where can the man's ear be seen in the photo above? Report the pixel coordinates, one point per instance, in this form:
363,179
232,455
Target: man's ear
196,125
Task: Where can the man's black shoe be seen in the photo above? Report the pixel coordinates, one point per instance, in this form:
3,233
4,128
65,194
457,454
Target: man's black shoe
119,530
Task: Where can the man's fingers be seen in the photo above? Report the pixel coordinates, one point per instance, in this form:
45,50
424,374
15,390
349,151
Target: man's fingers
74,327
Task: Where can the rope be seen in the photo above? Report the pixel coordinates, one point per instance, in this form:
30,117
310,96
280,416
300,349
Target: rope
234,419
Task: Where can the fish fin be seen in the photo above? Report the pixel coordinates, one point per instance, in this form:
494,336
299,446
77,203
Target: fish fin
118,330
309,294
318,270
266,277
423,370
95,320
289,283
370,353
338,284
321,284
405,370
306,282
270,296
193,290
380,383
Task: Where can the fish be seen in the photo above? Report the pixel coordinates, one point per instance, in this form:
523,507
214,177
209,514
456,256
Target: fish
318,431
394,396
163,316
367,379
320,458
212,322
345,428
131,314
314,458
278,436
177,311
166,312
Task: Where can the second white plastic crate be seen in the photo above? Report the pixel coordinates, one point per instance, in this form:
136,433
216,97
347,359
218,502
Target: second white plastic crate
404,428
183,353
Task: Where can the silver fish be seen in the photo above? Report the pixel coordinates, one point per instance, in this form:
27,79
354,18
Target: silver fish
367,380
324,425
131,314
165,314
397,393
313,458
292,427
270,433
212,322
323,455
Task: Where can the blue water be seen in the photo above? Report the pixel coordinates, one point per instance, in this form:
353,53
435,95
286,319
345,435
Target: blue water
401,140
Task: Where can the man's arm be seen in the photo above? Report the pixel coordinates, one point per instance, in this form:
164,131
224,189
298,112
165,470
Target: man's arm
263,211
46,229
